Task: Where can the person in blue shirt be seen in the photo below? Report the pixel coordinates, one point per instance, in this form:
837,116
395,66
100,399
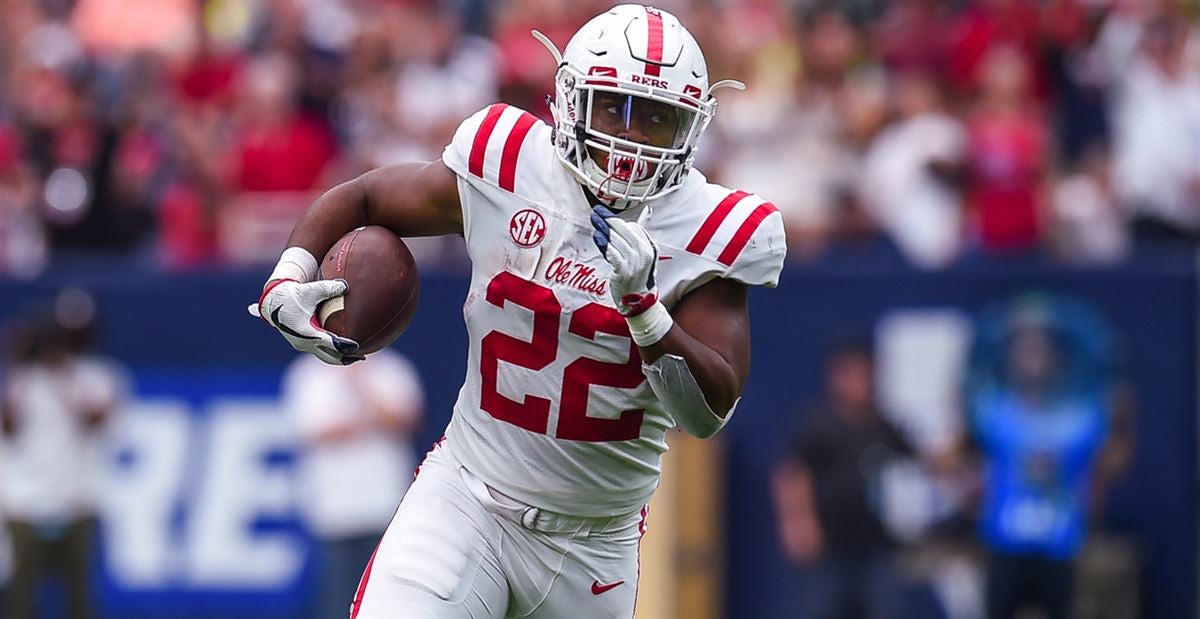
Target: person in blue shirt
1050,429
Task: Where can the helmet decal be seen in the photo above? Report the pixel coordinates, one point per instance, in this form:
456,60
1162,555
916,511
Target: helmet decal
654,41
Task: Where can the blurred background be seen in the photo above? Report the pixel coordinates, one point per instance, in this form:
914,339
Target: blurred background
974,392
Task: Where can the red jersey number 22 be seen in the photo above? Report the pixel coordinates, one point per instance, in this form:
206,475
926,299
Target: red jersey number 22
533,412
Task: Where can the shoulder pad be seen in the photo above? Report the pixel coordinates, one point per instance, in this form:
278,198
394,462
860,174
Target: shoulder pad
742,232
489,144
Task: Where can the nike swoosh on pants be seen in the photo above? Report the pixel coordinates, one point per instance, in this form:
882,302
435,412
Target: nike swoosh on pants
598,588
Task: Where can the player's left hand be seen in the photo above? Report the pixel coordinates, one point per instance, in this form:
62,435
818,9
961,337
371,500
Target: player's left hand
633,256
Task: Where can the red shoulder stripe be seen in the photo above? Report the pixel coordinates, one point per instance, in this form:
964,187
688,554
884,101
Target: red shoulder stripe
715,218
512,150
479,146
743,234
654,42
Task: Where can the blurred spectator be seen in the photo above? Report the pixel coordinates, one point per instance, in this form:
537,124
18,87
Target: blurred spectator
393,111
356,425
5,562
790,140
827,496
57,400
280,155
6,558
1086,222
23,248
902,35
906,182
1052,426
526,69
983,26
446,78
123,26
280,148
1080,78
1006,158
1156,124
64,105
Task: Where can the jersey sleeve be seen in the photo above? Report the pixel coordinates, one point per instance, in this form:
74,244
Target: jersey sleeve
457,153
760,261
742,236
487,146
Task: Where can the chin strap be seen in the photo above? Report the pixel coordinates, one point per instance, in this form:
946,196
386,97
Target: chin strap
672,382
616,204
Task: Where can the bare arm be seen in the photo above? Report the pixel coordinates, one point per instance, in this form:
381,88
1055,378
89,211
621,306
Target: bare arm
95,417
401,419
411,199
1117,453
712,333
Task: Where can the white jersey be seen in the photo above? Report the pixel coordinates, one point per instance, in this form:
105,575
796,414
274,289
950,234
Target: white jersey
555,410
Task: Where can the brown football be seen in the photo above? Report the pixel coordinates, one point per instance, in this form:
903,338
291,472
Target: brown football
383,288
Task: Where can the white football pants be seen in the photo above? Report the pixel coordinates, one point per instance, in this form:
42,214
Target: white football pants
458,549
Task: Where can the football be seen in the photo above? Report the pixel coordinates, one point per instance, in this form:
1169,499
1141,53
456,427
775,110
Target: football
383,288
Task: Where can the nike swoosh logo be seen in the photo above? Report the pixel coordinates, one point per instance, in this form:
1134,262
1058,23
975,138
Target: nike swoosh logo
598,588
285,328
696,75
665,257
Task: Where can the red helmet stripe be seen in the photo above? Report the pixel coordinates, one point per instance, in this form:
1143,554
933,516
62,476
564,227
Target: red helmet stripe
743,234
654,46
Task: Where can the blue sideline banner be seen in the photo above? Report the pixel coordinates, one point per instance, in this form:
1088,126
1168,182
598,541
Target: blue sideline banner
199,501
201,512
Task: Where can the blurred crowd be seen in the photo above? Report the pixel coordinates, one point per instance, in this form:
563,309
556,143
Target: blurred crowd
191,133
57,400
951,129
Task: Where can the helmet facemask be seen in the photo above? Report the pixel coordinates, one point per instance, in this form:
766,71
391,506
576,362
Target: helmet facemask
626,142
634,147
626,137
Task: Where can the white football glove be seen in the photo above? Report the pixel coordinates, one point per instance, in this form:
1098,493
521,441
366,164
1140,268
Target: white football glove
291,307
633,256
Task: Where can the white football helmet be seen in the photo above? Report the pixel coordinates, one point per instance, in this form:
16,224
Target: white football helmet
631,100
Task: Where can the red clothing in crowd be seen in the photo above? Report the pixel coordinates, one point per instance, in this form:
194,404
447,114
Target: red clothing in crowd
288,156
186,238
210,78
1005,161
10,148
982,28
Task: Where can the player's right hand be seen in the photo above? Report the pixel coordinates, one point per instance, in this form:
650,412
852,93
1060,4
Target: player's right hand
291,307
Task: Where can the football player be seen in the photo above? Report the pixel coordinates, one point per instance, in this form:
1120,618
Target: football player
607,305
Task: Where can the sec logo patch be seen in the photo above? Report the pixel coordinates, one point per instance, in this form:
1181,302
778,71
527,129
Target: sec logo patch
527,228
